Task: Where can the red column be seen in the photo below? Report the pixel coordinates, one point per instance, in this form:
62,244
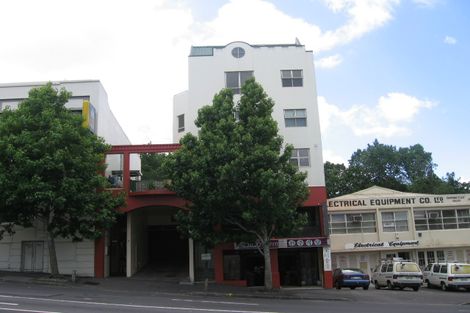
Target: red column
126,173
218,264
275,268
99,257
327,279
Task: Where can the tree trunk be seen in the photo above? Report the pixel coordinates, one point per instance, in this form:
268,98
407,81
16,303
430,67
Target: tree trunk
268,275
54,267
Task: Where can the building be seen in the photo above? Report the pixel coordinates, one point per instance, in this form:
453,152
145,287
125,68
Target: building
287,74
26,250
378,223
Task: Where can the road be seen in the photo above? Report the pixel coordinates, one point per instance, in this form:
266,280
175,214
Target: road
20,297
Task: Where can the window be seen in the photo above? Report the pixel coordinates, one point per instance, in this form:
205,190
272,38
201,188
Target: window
238,52
352,223
300,157
295,118
235,80
291,78
442,219
395,221
180,123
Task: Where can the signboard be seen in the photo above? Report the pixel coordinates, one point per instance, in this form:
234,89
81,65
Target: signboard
382,244
399,201
327,259
284,243
206,256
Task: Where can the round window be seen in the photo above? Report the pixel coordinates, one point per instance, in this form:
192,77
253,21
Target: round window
238,52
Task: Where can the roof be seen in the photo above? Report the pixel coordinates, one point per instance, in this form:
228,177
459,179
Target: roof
208,50
32,84
378,192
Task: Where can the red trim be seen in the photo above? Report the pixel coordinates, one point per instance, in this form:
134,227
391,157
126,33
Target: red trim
316,196
275,269
99,257
144,148
327,279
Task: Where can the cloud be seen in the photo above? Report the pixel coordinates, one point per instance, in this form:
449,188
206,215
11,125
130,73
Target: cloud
329,62
329,155
450,40
426,3
391,116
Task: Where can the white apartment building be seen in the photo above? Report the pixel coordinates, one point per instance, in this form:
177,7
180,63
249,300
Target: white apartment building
378,223
287,74
26,250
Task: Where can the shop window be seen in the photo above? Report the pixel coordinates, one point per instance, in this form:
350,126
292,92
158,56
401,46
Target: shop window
295,118
291,78
395,221
352,223
430,256
300,157
235,80
421,259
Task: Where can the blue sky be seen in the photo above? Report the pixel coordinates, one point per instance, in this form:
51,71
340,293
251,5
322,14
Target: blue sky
387,69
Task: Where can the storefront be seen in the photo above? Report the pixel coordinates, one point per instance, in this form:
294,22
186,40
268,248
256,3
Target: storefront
378,223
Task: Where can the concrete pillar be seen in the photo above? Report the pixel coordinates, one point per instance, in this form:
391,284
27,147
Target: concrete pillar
129,245
191,259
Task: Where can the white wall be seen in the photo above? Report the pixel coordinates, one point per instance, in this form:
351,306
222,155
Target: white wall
207,77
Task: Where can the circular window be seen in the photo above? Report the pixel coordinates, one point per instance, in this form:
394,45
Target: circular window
238,52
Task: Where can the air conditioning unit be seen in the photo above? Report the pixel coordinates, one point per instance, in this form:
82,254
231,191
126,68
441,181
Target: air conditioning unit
433,215
357,218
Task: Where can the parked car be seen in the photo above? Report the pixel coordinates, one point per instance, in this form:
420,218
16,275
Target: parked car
397,273
447,276
350,277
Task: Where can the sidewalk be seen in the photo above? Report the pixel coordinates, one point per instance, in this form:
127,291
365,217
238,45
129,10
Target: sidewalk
150,286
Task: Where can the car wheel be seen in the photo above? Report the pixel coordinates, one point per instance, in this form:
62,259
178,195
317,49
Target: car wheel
428,284
389,285
444,287
365,287
376,285
401,288
352,288
468,289
338,285
416,288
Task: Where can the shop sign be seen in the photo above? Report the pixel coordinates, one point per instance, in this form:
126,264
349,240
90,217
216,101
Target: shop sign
305,242
206,256
382,244
327,259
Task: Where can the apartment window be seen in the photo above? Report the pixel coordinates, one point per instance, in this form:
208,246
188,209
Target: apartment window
235,80
180,123
291,78
300,157
238,52
395,221
442,219
352,223
295,117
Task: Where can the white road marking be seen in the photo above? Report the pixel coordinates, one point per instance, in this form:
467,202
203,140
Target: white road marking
130,305
216,302
24,310
8,303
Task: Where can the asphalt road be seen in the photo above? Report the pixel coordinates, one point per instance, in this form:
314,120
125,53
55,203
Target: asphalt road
20,297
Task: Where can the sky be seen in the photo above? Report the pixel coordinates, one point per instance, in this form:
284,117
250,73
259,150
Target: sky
393,70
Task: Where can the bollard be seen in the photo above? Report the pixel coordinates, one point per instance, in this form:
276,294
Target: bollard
74,276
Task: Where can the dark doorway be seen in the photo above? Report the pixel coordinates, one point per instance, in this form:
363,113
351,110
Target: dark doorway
299,267
117,247
168,252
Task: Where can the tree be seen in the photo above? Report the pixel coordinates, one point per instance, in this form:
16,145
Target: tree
50,171
404,169
237,175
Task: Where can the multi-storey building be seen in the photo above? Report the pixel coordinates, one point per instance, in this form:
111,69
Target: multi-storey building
26,250
286,72
375,224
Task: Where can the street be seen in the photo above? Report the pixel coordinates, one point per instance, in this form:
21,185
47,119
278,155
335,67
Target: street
21,297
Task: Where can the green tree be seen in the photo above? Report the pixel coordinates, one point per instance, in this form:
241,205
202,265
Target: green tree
50,171
237,175
404,169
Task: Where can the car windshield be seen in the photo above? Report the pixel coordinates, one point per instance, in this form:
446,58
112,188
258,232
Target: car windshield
407,267
460,269
352,271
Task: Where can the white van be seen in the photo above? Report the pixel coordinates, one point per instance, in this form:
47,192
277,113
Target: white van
397,273
447,276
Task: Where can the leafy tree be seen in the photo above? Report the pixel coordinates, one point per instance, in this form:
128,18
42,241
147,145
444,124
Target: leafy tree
237,175
50,171
404,169
152,166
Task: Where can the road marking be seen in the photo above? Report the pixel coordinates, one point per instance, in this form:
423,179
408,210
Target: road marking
216,302
24,310
131,305
8,303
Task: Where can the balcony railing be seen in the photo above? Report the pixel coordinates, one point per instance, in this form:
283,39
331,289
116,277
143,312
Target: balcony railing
148,185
